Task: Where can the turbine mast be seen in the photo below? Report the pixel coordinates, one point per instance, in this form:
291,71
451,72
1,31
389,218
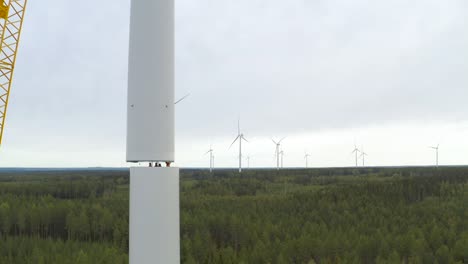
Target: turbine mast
154,191
278,153
239,137
437,154
277,157
355,151
211,160
282,154
356,158
240,153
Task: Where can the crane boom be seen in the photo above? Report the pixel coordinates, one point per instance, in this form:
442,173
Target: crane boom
11,23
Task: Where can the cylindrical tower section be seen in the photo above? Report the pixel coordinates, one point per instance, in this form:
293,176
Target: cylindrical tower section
154,216
150,109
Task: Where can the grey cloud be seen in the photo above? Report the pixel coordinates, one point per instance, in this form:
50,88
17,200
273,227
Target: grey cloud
307,65
282,66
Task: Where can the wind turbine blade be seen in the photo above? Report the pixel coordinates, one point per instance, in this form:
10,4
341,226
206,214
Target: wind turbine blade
181,99
208,152
274,142
281,140
234,141
245,139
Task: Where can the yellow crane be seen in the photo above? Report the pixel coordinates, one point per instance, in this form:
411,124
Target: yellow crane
11,23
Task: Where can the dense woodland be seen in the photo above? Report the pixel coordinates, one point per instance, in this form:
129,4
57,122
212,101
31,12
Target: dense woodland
64,217
369,215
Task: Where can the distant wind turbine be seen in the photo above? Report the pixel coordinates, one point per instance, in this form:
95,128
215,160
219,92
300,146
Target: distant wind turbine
437,154
363,156
277,152
248,162
211,158
239,137
306,157
356,151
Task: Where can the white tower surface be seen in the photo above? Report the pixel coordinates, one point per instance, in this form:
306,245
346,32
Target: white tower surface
154,191
154,215
150,114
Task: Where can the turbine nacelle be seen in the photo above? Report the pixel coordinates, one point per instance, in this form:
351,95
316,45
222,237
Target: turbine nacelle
436,148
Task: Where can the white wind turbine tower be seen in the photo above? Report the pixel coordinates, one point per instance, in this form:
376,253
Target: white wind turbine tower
239,137
356,151
437,154
277,152
282,155
363,156
154,218
306,157
211,158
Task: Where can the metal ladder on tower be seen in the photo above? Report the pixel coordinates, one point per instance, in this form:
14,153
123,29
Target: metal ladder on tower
11,23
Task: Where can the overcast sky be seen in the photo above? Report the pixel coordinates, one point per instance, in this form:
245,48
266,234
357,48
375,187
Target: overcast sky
387,75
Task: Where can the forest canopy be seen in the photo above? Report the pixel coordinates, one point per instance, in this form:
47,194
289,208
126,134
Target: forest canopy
345,215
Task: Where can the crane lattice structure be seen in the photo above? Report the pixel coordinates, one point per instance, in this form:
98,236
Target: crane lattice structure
11,23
